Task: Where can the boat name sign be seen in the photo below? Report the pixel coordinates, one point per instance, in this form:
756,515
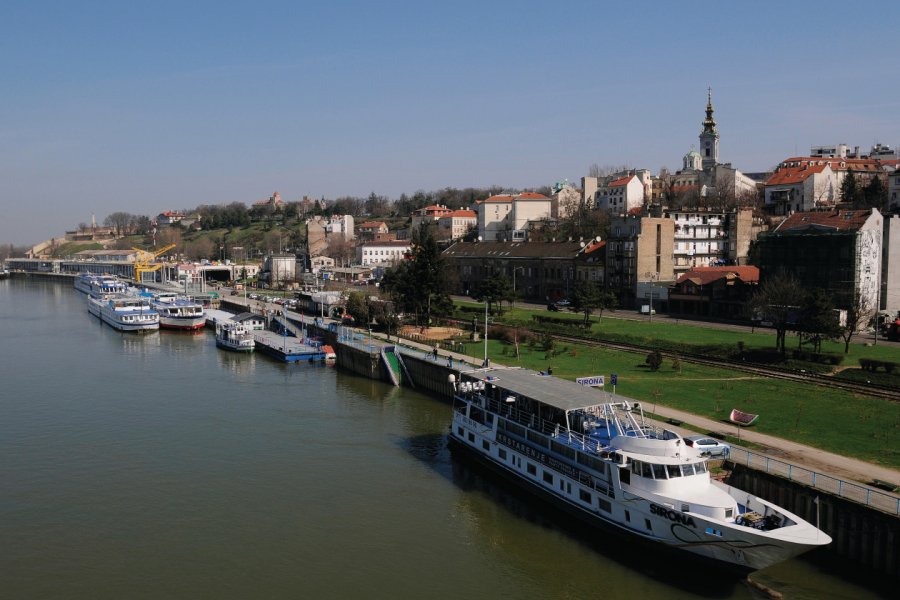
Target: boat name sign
551,462
596,380
672,515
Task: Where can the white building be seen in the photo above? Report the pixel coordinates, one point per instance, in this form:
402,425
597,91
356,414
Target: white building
565,201
801,188
382,253
621,195
455,224
508,217
342,224
894,188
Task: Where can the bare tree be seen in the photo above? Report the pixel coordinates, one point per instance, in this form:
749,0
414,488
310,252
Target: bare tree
597,170
778,301
860,313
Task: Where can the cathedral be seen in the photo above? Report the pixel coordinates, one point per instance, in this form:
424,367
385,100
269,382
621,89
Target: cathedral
702,175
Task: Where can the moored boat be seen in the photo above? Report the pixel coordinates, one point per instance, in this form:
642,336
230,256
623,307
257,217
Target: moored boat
98,285
606,465
124,312
178,312
231,335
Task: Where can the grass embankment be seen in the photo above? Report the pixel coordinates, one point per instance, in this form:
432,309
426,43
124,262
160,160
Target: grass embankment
833,420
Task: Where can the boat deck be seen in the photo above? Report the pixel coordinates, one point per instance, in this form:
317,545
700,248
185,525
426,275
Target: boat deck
286,348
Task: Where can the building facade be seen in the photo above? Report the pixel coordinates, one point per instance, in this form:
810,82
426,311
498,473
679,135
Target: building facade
714,292
639,256
382,253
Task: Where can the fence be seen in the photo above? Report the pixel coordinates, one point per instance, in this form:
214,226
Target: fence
883,501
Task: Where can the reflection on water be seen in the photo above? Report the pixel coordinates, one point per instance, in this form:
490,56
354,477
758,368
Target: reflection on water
159,466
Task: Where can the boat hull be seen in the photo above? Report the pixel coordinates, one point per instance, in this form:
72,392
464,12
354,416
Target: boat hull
182,323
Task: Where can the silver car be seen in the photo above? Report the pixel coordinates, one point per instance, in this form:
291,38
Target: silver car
708,446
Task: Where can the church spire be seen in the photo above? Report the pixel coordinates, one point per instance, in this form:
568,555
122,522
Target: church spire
709,137
709,124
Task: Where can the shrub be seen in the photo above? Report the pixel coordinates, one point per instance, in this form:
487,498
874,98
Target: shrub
654,359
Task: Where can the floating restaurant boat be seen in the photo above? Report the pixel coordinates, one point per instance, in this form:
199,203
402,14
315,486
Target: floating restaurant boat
98,285
606,465
231,335
124,312
178,312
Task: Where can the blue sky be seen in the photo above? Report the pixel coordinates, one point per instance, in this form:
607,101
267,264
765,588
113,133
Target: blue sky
145,107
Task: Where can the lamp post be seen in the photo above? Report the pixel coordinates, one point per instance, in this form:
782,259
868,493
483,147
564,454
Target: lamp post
485,363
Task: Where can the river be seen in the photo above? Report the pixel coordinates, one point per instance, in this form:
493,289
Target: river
158,466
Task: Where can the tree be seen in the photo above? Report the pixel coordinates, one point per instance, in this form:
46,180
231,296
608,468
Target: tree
850,189
119,221
654,360
874,194
420,285
586,298
818,320
778,300
860,312
494,288
358,308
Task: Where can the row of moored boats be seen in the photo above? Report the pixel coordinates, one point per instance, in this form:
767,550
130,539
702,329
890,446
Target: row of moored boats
128,309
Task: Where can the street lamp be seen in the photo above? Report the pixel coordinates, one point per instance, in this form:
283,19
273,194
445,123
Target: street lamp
652,276
485,363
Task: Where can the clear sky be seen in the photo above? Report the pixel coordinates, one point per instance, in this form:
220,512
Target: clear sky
150,106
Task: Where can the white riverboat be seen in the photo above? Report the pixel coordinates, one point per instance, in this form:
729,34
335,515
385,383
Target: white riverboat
99,285
606,465
124,312
234,336
178,312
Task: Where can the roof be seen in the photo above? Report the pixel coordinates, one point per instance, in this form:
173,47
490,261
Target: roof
388,243
513,250
246,316
621,181
705,275
461,214
531,196
840,220
561,394
838,164
503,199
372,224
792,175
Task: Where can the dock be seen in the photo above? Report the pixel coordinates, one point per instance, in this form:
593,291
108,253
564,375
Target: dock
287,347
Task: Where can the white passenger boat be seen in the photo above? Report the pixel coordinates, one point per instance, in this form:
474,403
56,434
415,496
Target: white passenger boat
124,312
604,464
232,335
98,285
178,312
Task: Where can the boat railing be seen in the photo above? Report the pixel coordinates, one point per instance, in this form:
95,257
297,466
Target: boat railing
854,492
532,422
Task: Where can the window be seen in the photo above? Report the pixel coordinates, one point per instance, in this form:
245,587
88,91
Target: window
459,430
585,496
472,437
648,525
604,505
532,470
627,517
548,477
485,444
502,453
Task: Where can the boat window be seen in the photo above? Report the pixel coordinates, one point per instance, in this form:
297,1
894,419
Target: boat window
700,467
673,470
646,471
636,467
659,471
687,469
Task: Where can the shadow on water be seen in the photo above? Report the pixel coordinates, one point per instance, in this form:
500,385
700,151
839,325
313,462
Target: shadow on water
671,568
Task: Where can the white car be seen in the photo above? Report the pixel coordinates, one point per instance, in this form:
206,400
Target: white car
708,446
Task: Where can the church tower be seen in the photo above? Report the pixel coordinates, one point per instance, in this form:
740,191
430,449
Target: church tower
709,137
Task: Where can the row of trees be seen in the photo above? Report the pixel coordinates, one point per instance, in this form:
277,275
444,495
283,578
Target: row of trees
783,301
872,195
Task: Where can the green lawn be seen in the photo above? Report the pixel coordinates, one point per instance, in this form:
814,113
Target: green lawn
646,332
837,421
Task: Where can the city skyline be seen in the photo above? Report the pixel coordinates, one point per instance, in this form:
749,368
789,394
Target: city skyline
139,109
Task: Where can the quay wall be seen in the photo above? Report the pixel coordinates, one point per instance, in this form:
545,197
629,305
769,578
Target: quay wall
862,535
64,277
430,376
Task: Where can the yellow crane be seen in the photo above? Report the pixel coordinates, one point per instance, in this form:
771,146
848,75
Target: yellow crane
143,261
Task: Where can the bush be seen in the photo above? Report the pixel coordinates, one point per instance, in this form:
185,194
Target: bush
654,359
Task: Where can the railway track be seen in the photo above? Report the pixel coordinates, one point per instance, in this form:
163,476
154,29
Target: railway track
756,369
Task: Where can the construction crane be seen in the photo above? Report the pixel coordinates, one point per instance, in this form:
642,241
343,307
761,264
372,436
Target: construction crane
143,262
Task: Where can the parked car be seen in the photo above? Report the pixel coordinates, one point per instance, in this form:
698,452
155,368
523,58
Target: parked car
552,307
564,302
707,445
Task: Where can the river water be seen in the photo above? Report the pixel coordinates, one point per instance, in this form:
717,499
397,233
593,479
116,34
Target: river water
157,466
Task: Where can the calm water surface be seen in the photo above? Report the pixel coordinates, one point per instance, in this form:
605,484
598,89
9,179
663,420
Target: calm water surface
157,466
